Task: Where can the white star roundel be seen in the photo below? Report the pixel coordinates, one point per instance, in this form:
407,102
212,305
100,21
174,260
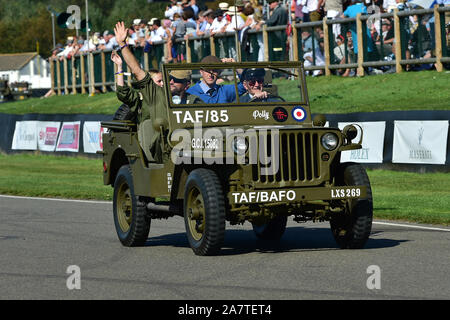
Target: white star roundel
299,114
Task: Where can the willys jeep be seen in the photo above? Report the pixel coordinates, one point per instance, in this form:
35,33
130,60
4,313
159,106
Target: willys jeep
260,161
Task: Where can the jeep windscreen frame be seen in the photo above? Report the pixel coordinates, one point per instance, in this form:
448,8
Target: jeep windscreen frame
296,72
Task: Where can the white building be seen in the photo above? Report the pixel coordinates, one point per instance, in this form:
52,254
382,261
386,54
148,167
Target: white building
25,67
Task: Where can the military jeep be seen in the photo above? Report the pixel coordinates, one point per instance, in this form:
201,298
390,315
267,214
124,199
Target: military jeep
259,161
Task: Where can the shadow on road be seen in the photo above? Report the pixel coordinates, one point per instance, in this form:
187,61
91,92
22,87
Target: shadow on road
294,239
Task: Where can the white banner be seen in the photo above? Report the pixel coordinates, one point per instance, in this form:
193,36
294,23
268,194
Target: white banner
420,142
69,137
92,136
25,137
47,135
372,144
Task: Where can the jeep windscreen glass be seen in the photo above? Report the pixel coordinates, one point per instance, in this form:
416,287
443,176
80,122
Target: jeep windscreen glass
271,85
243,83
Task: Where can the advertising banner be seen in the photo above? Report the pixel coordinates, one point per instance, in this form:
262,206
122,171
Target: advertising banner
47,135
372,144
420,142
25,136
92,136
69,137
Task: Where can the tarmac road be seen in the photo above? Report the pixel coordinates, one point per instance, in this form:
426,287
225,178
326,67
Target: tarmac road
40,239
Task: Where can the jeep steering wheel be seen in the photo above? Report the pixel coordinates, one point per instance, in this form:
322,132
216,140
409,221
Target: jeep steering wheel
256,99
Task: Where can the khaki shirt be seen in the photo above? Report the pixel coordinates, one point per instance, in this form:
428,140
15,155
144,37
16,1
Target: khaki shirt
148,102
145,99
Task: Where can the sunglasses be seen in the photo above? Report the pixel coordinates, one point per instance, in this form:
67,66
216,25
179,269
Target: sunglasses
176,80
252,82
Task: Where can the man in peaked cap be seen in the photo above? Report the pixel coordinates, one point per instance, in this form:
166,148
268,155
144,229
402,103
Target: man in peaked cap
207,88
253,81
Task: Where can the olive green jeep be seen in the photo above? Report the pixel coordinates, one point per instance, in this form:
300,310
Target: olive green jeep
259,158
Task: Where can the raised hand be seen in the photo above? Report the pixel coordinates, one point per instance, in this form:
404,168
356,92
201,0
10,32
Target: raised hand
121,33
116,58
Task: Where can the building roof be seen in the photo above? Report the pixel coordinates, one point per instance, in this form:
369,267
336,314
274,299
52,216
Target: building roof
15,61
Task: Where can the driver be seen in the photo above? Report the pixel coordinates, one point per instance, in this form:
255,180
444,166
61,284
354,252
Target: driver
253,81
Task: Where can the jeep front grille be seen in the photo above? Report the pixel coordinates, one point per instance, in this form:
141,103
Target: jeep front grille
298,158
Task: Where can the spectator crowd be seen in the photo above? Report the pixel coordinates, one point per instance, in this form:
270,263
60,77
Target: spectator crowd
185,19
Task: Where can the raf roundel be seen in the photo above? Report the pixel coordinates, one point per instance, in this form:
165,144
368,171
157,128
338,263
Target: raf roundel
299,114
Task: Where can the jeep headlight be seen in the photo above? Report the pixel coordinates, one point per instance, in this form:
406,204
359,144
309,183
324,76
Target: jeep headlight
240,145
330,141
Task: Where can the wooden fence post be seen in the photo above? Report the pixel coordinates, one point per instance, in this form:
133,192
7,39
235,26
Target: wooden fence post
212,45
326,47
91,57
58,77
266,43
398,44
83,74
146,64
102,55
188,52
66,76
74,75
295,42
359,32
52,73
438,39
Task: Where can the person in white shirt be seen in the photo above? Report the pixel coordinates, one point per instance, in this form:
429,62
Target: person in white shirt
175,7
237,23
157,32
219,24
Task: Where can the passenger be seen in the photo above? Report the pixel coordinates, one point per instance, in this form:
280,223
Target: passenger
146,98
208,90
157,77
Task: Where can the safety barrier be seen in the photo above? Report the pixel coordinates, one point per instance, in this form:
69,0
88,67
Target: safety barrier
274,44
406,140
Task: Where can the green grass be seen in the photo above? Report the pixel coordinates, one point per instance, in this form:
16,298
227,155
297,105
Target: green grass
426,90
106,103
411,196
40,175
397,195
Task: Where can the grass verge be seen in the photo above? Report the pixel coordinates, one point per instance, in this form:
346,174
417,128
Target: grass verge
426,90
413,197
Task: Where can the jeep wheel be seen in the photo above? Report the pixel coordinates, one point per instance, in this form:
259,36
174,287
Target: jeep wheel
352,229
271,231
204,212
130,215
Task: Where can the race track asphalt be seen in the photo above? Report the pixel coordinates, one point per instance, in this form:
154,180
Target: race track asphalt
40,239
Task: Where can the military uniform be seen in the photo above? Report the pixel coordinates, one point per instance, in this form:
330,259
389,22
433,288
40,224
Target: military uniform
148,102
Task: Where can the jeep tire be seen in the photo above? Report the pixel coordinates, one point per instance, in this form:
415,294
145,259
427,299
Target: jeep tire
131,219
352,229
204,212
271,231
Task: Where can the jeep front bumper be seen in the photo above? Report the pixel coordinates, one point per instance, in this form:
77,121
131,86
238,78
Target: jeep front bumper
296,195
